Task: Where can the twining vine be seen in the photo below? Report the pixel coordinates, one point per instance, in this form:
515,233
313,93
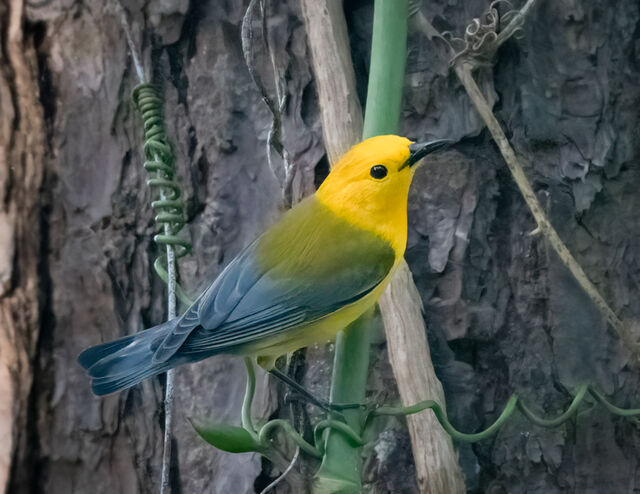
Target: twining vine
250,438
160,164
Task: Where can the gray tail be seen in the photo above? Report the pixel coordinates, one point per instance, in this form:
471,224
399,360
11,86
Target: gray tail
125,362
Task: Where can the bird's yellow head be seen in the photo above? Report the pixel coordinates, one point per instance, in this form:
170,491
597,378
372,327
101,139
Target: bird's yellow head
369,186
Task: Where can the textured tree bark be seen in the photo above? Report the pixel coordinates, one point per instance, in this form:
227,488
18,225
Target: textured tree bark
503,313
99,253
22,149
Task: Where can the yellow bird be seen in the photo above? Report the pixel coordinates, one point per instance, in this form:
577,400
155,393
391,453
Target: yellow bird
307,277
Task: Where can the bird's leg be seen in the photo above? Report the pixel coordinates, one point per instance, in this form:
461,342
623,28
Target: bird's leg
319,402
302,391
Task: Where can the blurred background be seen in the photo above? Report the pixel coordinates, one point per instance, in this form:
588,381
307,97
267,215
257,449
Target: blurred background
503,314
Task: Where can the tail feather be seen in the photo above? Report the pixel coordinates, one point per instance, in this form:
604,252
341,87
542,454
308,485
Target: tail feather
111,384
91,355
127,361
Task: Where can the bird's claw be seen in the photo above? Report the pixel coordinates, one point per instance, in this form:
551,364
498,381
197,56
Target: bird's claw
292,396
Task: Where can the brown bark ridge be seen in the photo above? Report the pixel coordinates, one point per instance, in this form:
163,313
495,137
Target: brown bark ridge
22,150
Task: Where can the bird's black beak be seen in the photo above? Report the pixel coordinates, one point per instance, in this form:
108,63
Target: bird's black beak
419,150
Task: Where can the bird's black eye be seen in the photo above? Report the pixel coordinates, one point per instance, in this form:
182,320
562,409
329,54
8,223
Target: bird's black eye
378,171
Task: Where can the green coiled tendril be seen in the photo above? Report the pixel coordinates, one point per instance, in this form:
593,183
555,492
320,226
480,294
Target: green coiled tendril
513,403
260,438
160,164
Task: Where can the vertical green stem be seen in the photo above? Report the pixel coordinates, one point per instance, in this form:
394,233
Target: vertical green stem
247,421
386,73
341,465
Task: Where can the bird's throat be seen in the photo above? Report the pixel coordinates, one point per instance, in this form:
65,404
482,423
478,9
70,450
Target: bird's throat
387,220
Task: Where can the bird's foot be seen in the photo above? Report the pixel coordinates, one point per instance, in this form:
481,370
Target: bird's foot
302,393
325,405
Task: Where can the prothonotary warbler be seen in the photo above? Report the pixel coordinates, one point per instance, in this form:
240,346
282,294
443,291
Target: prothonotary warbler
307,277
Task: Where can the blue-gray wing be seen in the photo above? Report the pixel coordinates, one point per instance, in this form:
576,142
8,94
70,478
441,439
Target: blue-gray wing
317,272
214,305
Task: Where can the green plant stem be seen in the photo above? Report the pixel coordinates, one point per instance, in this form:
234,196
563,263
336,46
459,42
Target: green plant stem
290,432
336,425
441,415
513,403
386,73
250,390
622,412
550,423
341,465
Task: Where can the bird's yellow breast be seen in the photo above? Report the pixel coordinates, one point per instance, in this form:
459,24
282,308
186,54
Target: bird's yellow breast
387,219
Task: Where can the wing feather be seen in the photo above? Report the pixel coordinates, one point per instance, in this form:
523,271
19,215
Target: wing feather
282,281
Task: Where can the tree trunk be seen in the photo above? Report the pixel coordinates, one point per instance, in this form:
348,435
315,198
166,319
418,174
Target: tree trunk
503,313
23,229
